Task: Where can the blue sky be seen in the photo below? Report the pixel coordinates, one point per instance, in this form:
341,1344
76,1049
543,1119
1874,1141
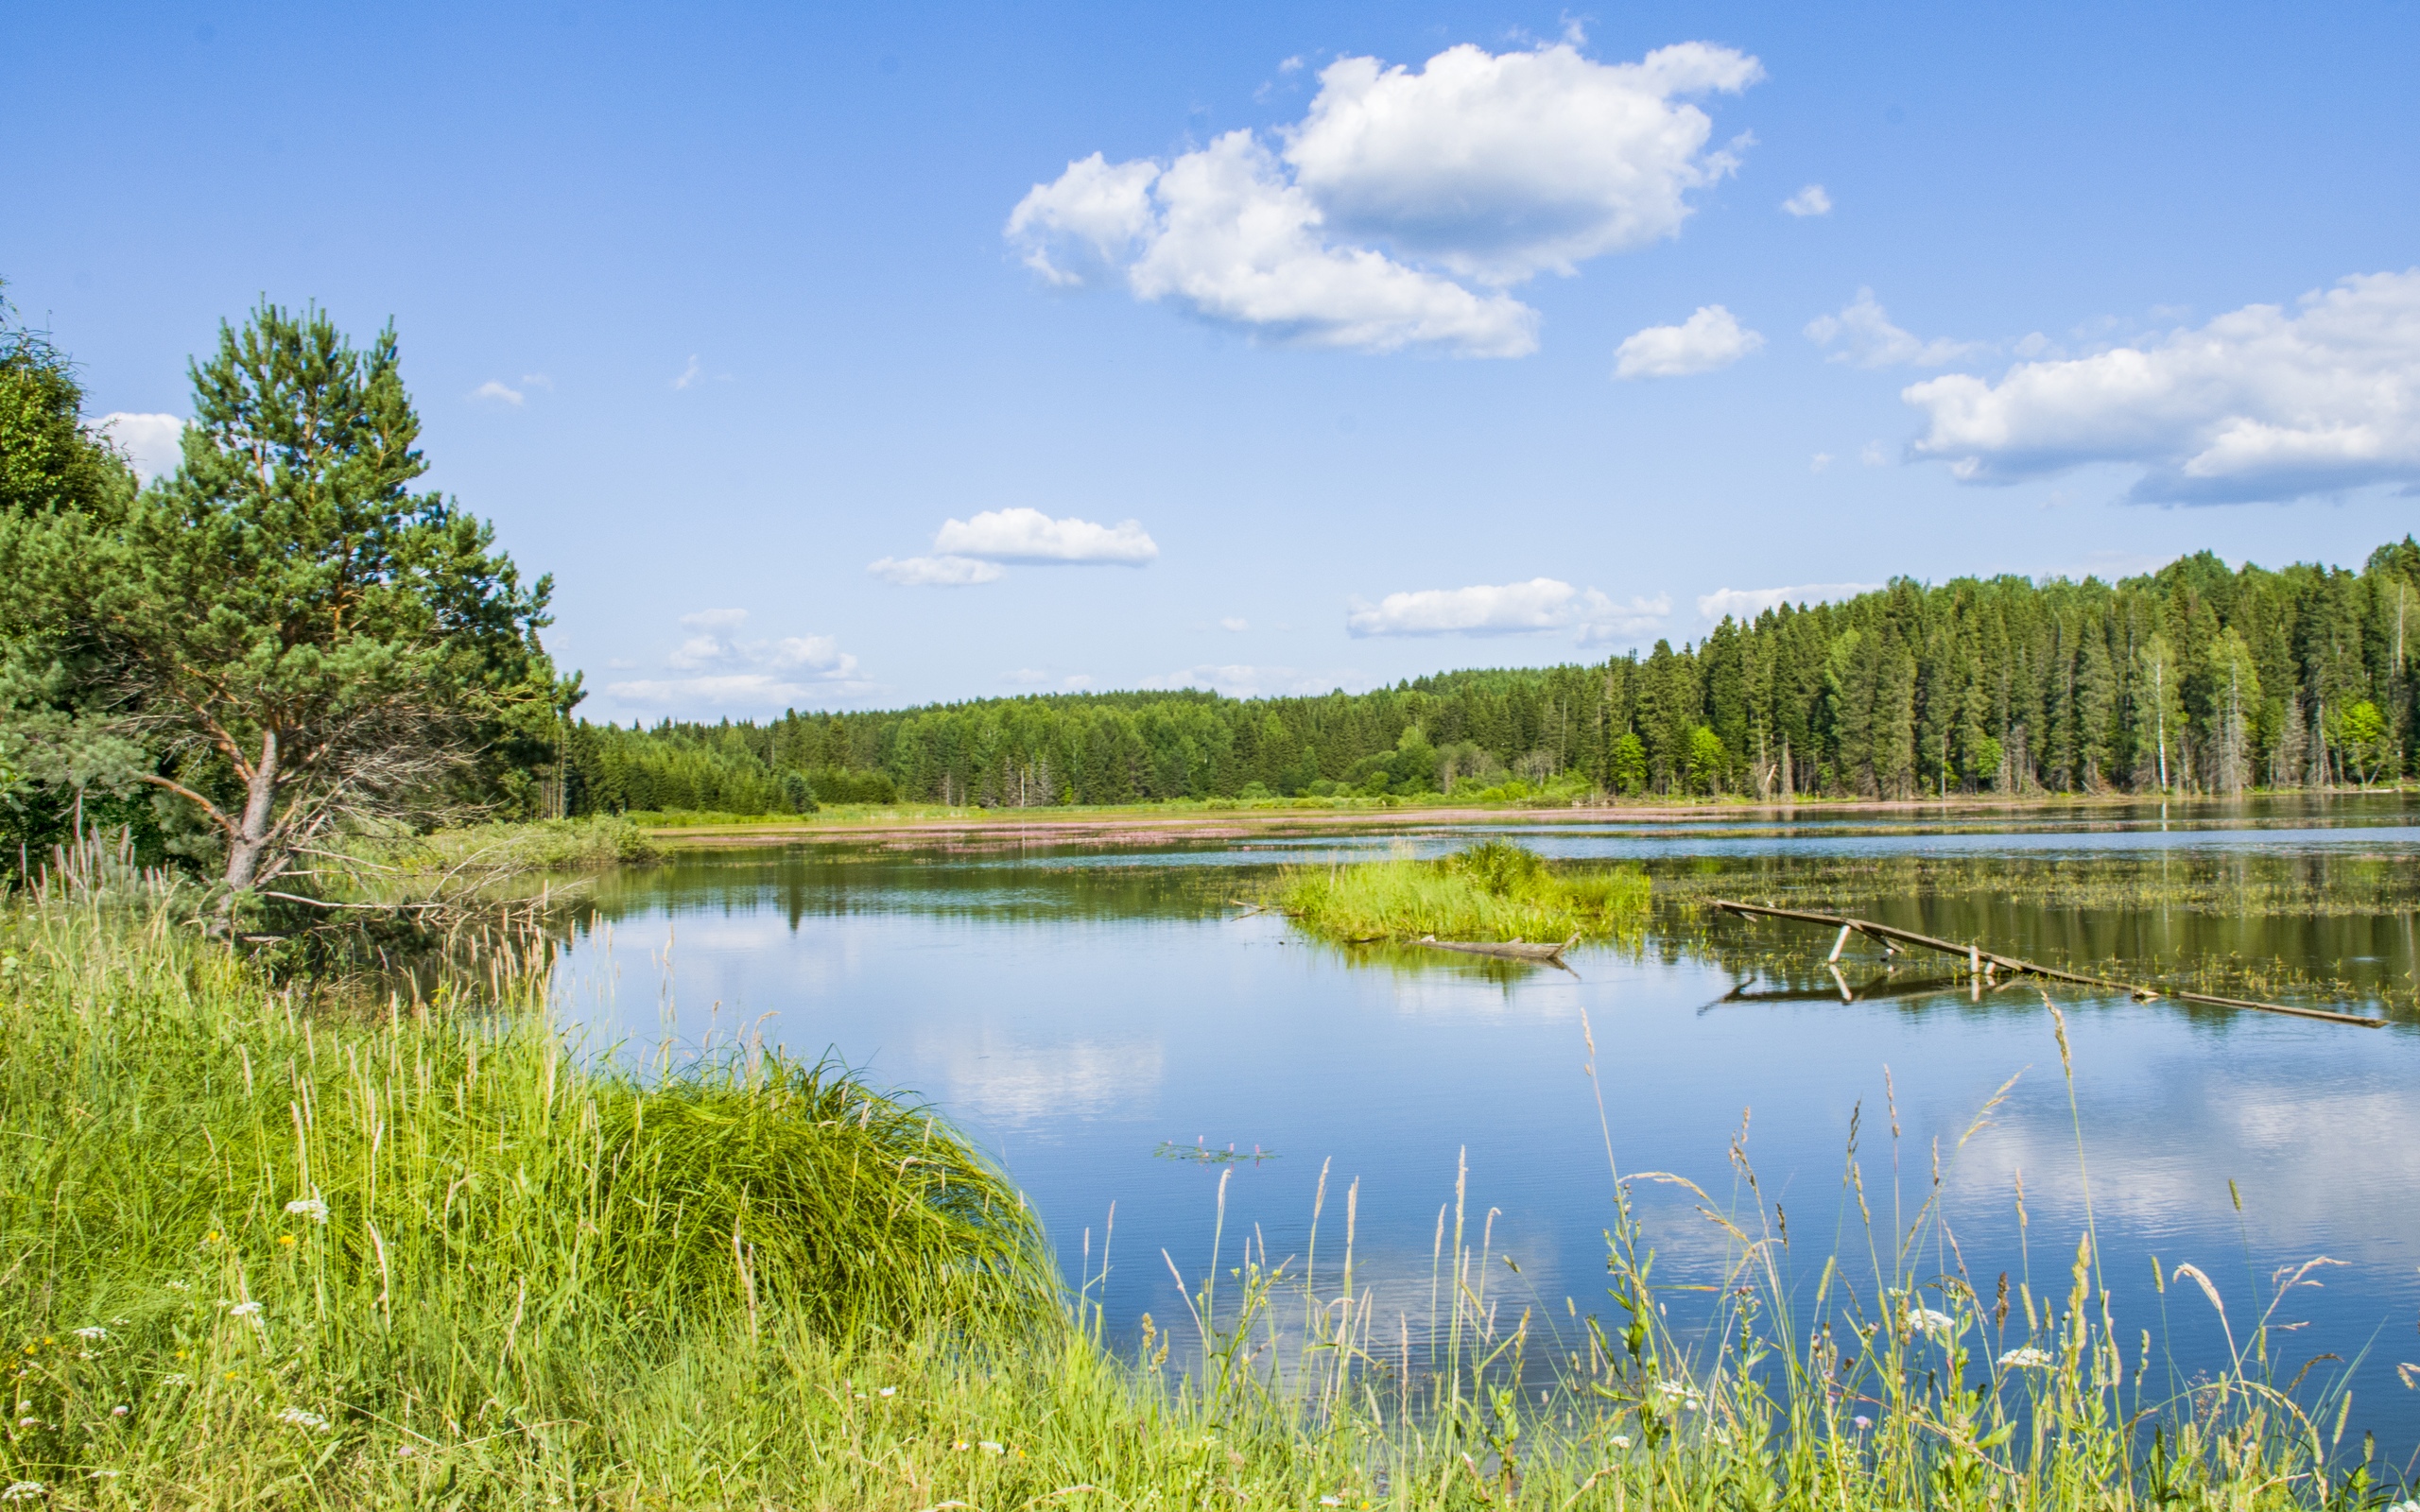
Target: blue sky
1380,339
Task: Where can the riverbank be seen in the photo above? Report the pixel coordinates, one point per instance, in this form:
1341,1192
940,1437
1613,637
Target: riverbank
1216,819
300,1244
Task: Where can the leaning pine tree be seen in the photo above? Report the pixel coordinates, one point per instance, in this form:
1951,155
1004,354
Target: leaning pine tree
298,641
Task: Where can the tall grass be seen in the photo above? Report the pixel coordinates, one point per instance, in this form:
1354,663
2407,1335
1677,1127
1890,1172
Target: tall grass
293,1248
1493,890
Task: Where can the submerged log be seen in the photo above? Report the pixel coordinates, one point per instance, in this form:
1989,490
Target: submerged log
1981,963
1512,950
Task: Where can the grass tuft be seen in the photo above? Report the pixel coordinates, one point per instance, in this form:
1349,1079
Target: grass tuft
1494,890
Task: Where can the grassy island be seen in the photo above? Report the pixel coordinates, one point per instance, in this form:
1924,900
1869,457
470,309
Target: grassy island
1494,890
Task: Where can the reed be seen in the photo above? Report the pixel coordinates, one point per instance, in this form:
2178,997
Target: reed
1493,890
285,1247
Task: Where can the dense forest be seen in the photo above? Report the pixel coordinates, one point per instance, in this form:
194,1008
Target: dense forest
2196,679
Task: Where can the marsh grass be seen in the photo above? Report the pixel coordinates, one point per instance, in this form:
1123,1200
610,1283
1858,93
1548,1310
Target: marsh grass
1493,890
537,844
296,1248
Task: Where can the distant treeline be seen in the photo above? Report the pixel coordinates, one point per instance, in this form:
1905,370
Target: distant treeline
2194,679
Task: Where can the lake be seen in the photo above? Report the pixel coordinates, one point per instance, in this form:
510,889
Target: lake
1086,1011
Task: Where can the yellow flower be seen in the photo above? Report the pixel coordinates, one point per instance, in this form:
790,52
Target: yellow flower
285,1239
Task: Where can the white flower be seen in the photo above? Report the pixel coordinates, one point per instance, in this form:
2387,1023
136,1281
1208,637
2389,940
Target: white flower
120,1411
1619,1442
1925,1320
176,1378
1683,1397
310,1422
245,1310
22,1491
1331,1501
310,1207
887,1391
2026,1358
990,1447
92,1333
29,1422
180,1286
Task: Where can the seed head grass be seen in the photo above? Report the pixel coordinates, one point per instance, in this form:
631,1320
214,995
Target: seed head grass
269,1245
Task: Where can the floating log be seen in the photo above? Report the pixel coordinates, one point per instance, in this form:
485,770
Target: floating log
1510,949
1982,963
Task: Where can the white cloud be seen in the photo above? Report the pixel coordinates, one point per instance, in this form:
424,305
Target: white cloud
1820,462
691,375
2258,403
731,672
495,390
935,572
1745,604
1868,339
1874,453
1492,168
536,380
1710,340
1501,166
1235,624
153,443
1239,681
1510,608
1811,200
1023,534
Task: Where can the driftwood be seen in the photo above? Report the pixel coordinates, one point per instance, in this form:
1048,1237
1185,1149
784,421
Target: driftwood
1982,963
1510,949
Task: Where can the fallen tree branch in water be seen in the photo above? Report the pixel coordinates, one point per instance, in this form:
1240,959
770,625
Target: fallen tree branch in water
1982,963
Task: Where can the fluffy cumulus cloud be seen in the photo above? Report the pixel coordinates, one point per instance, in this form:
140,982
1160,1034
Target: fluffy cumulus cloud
1863,336
1030,536
935,572
971,551
1711,339
1747,603
2263,403
1542,604
722,669
1362,225
1811,200
153,443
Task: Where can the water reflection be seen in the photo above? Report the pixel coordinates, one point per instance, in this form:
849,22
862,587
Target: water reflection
1076,1009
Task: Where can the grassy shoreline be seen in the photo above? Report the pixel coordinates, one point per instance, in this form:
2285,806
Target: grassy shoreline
1181,816
299,1246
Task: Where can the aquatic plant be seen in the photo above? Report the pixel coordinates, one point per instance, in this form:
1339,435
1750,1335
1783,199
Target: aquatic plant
1493,890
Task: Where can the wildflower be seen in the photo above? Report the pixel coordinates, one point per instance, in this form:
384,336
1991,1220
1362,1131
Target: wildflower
285,1239
29,1422
22,1491
245,1310
990,1447
92,1334
961,1444
887,1391
180,1286
310,1207
310,1422
176,1378
120,1410
1862,1421
1331,1501
1619,1442
1925,1320
2026,1358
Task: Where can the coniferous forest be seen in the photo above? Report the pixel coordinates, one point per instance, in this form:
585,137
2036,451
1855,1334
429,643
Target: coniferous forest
2196,679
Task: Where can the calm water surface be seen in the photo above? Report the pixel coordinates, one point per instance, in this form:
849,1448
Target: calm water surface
1076,1009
